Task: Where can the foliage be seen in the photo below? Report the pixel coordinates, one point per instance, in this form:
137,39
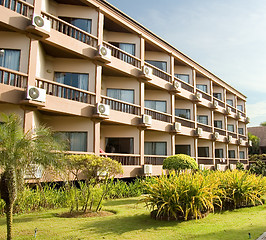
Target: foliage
263,124
180,162
240,166
258,164
255,148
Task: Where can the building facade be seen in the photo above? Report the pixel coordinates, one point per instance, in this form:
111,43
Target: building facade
103,76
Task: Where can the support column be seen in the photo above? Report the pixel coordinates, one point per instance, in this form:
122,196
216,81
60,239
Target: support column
98,83
100,27
194,79
196,149
141,145
141,96
97,137
28,119
142,51
32,66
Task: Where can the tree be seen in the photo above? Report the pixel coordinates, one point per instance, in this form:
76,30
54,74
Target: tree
263,124
18,151
255,148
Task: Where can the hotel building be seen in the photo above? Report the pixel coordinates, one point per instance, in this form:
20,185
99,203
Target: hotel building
112,87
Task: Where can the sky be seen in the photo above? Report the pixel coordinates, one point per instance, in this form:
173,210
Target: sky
227,37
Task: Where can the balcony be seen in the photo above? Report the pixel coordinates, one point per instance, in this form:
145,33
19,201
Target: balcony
205,127
205,160
13,78
19,6
159,73
154,159
185,122
234,135
185,85
158,115
220,131
124,159
205,95
220,102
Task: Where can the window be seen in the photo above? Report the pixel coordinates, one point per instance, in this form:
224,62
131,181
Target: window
184,113
83,24
78,80
202,119
77,140
127,47
155,148
183,149
241,131
219,153
240,107
218,124
203,151
229,102
159,64
119,145
156,105
217,95
202,87
121,94
242,155
231,154
183,77
230,127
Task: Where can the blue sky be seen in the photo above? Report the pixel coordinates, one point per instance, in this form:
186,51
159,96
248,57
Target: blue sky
227,37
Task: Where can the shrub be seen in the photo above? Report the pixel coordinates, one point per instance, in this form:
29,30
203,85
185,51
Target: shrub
180,162
240,166
258,165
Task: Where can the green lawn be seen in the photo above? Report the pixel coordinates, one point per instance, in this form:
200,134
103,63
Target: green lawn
132,221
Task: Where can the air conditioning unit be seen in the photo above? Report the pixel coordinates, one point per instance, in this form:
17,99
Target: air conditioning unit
102,109
249,143
228,110
40,22
238,115
219,167
104,54
147,169
36,94
146,72
247,120
177,127
240,141
198,96
198,132
177,86
215,104
34,171
146,120
201,167
232,166
216,136
229,138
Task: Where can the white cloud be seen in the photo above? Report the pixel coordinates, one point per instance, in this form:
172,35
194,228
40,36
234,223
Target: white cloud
257,113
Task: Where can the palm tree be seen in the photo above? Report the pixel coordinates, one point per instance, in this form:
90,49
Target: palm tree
18,150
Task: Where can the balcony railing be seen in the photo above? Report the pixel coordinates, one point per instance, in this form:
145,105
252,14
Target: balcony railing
18,6
65,91
70,30
158,115
220,102
220,131
185,122
159,73
205,160
122,55
121,105
242,113
154,159
242,136
233,109
124,159
205,128
185,85
13,78
205,95
234,135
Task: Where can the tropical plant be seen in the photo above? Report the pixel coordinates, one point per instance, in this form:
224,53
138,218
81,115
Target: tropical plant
255,147
18,150
180,162
240,166
258,164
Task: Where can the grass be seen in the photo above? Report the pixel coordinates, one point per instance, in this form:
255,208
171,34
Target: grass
132,221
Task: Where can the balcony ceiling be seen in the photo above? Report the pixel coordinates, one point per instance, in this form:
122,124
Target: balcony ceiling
72,2
110,72
6,28
112,26
179,63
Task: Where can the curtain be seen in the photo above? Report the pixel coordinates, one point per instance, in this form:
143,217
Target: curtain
148,148
78,141
160,148
202,87
159,64
156,105
128,47
121,94
203,119
183,77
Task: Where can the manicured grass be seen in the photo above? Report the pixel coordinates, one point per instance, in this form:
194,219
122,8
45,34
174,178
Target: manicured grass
132,221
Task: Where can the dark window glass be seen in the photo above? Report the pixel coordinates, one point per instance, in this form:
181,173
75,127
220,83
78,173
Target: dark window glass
240,107
202,87
156,105
219,153
202,119
159,64
119,145
203,151
184,113
77,140
83,24
217,95
218,124
126,95
183,77
241,131
78,80
229,102
183,149
230,127
231,154
127,47
242,155
155,148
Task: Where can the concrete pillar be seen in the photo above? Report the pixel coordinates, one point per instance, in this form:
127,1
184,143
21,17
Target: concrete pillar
100,27
32,62
97,139
142,51
141,145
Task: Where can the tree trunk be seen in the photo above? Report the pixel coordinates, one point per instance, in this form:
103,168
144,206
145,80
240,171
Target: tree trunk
9,220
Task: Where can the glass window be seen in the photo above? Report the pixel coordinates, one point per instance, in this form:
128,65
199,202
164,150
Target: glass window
183,77
155,148
121,94
78,80
77,140
217,95
241,131
218,124
159,64
128,47
83,24
219,153
119,145
240,107
242,155
184,113
229,102
203,151
202,119
202,87
9,58
230,127
231,154
183,149
156,105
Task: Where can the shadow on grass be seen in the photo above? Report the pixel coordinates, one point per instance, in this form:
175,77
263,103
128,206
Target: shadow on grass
119,202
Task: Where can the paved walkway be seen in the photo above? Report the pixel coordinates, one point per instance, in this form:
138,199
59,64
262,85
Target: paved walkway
262,237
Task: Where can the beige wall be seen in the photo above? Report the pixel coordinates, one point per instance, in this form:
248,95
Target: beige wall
158,56
183,104
231,97
184,70
10,108
160,96
181,140
205,143
206,112
217,89
205,81
220,117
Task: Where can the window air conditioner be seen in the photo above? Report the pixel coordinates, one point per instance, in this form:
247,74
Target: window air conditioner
40,22
219,167
146,120
177,86
228,110
198,96
102,109
36,94
34,171
240,141
104,54
216,136
229,138
215,104
198,132
177,127
232,166
238,115
147,168
146,72
250,143
201,167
